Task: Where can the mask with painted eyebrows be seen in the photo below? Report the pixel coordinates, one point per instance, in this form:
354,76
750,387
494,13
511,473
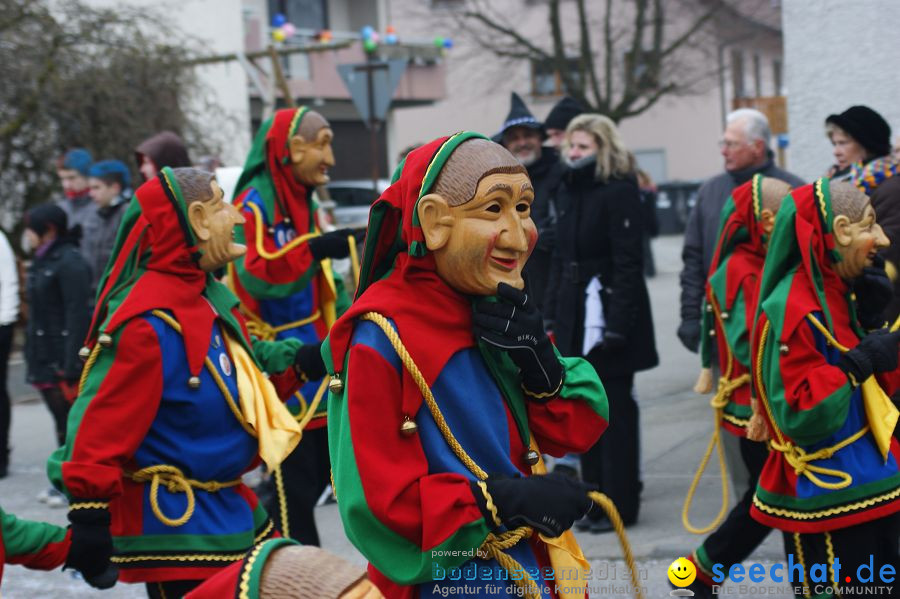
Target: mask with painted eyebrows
477,220
857,236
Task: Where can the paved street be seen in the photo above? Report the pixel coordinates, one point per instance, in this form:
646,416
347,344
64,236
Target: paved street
676,427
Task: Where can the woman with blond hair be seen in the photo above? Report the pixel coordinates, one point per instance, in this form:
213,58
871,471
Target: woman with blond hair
597,303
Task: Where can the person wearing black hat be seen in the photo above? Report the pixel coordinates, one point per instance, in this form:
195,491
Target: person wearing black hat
57,288
522,135
556,122
858,135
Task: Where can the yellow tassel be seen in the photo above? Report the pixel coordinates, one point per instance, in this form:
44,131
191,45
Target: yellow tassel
704,382
756,428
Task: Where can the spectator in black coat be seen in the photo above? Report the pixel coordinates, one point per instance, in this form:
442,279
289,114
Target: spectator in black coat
58,291
522,135
597,302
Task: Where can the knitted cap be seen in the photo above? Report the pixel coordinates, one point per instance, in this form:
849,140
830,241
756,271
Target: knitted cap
867,127
562,113
77,159
39,218
111,168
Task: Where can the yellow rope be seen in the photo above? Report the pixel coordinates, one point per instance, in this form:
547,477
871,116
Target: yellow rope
175,480
721,399
796,456
495,545
261,329
314,404
95,353
229,399
260,247
354,259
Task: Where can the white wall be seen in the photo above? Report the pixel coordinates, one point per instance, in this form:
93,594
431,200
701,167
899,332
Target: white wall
215,27
837,54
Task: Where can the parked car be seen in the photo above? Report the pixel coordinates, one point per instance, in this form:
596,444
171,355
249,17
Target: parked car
349,201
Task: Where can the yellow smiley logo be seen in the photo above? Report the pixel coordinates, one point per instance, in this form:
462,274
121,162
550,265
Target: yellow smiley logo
682,572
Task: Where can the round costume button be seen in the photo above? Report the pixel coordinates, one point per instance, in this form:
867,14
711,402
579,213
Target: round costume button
225,364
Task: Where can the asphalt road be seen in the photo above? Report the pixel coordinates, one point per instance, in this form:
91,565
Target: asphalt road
676,425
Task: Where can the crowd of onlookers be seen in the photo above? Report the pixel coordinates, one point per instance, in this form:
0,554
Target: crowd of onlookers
67,244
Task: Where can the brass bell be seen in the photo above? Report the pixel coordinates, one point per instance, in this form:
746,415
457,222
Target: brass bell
194,382
84,353
104,340
709,308
335,385
532,457
783,348
725,315
712,332
408,428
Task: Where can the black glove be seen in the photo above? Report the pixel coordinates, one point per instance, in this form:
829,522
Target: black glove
874,291
689,333
308,362
334,244
514,324
877,352
613,341
92,545
550,503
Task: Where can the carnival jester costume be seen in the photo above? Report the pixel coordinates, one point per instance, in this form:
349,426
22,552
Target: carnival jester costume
831,481
36,545
731,300
286,286
173,407
435,431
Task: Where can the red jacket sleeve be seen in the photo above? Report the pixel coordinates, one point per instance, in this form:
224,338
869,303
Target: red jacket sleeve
121,398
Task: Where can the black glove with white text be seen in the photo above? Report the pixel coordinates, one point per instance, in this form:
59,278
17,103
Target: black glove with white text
515,325
549,503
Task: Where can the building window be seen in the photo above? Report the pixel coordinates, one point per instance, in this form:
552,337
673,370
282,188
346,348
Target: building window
757,79
304,14
737,74
546,81
776,75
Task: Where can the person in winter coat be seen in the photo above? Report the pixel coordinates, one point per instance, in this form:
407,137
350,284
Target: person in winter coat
110,185
597,302
72,169
9,314
522,135
58,291
745,149
163,149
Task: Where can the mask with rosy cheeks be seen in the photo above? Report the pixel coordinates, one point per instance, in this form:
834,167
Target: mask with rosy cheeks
213,221
310,160
485,241
857,243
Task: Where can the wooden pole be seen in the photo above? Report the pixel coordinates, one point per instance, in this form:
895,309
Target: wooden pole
279,78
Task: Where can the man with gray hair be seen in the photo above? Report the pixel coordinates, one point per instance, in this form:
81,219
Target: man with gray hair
745,148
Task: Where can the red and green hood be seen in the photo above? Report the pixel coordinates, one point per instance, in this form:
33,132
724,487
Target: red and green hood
799,260
398,279
268,171
155,267
740,226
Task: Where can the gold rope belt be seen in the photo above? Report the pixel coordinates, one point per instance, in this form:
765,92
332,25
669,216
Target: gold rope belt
800,460
266,332
175,480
